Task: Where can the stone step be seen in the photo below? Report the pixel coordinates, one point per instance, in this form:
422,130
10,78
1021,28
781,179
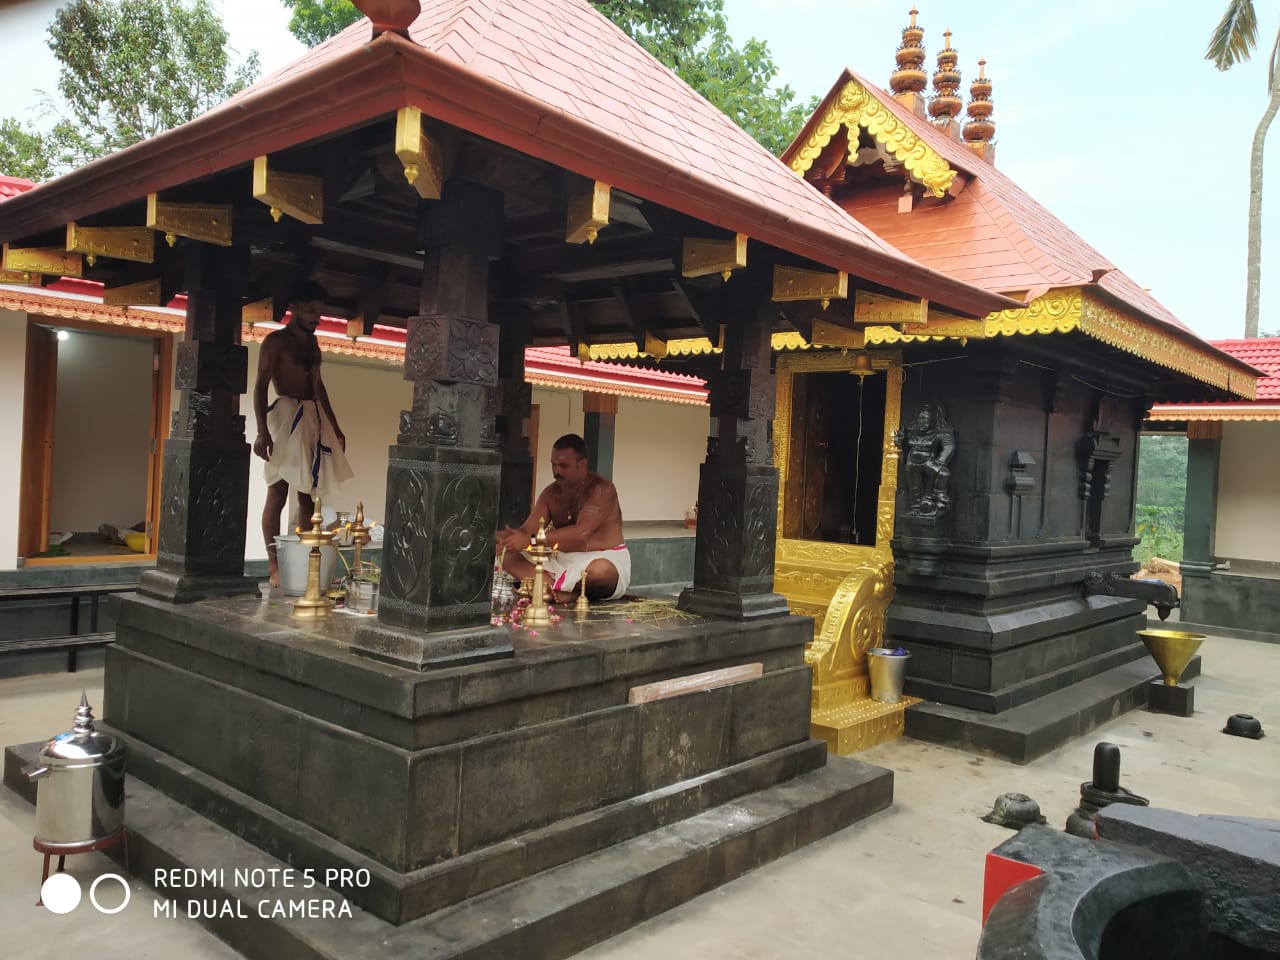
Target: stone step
550,915
1033,729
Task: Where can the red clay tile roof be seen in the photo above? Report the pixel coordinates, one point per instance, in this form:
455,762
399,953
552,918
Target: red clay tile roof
994,234
12,186
1260,352
552,78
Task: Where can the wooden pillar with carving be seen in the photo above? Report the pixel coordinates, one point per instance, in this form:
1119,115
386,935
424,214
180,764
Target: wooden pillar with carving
205,487
444,472
738,484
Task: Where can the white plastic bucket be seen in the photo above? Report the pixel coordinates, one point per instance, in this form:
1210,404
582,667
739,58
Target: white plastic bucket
293,555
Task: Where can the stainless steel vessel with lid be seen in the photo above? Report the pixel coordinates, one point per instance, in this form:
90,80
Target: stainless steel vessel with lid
80,790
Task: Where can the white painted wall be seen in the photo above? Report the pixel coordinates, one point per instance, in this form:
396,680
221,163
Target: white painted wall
367,398
657,450
13,359
1248,496
559,412
101,431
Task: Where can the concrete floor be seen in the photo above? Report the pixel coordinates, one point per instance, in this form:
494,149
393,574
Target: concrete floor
905,883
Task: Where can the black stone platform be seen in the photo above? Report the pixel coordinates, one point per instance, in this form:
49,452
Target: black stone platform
1033,729
449,785
552,914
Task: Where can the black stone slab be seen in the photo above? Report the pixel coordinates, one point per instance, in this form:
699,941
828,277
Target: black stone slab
1033,729
1236,864
550,915
1094,900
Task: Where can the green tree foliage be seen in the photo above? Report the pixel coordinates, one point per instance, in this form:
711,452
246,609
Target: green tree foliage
128,69
689,36
313,21
1162,494
22,152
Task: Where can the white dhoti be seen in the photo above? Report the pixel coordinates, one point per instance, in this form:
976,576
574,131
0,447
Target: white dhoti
306,453
566,569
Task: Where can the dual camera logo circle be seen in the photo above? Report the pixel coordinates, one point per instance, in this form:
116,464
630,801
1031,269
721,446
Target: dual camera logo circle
62,893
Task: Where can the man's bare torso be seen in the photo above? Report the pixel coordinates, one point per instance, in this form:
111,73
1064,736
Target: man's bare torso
293,364
595,504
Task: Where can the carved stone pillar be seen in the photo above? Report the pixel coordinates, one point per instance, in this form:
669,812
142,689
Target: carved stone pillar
515,403
443,475
1204,447
738,486
205,490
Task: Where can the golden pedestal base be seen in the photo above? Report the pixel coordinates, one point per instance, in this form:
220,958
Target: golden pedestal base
859,725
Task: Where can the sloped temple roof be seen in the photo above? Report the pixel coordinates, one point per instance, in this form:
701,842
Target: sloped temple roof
977,225
552,79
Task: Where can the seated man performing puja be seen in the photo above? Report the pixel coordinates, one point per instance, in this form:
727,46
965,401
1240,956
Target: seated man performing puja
584,508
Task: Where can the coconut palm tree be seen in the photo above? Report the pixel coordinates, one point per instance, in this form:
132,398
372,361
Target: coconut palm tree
1233,41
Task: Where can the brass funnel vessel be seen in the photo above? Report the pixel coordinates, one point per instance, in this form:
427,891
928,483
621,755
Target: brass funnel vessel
1172,650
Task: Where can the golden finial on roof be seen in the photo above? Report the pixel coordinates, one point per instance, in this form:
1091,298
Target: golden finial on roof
910,76
946,103
980,128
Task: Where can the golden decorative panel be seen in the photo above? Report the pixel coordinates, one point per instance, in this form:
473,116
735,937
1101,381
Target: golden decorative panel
21,278
50,260
827,334
795,283
588,212
144,293
860,725
702,256
121,243
421,156
299,195
855,108
871,307
208,222
259,311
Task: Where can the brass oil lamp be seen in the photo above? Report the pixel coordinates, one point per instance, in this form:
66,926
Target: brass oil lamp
359,537
537,614
314,604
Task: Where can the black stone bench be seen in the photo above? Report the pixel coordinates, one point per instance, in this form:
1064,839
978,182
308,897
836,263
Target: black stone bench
19,658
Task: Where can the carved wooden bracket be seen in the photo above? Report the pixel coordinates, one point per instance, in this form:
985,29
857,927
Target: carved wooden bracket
120,243
588,212
299,195
206,222
422,157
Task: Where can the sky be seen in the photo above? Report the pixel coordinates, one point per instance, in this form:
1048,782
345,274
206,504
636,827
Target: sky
1105,110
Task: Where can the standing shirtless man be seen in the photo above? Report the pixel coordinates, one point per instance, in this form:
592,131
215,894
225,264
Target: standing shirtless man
298,434
584,508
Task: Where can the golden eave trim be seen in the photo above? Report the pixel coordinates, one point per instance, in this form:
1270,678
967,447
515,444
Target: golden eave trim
1070,309
855,107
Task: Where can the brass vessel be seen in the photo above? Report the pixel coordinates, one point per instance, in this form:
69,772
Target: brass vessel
536,613
1172,650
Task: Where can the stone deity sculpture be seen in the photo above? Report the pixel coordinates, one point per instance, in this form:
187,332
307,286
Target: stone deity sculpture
929,444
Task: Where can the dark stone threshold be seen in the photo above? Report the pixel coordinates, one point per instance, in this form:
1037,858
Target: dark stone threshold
1024,733
549,915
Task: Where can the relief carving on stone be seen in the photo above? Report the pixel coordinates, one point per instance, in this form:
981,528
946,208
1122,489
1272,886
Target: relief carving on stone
929,443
